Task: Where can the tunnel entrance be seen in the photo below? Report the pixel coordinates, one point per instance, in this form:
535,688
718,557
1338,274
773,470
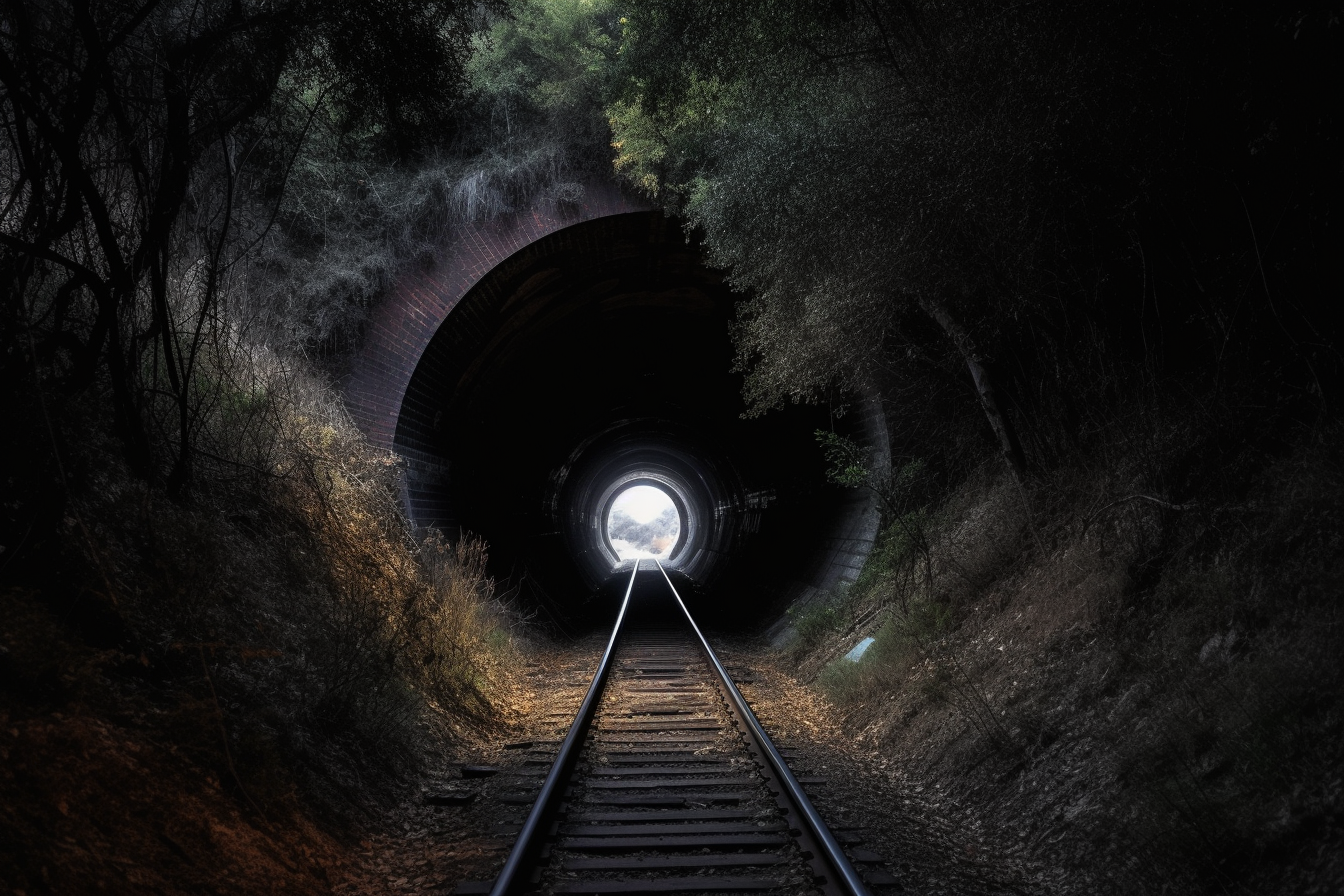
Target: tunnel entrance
597,360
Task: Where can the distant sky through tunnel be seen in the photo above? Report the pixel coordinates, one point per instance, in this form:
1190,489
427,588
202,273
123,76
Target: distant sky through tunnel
643,523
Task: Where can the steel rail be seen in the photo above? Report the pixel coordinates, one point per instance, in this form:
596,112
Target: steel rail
521,855
834,855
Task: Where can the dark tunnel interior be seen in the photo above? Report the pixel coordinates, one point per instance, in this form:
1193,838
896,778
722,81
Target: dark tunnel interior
597,358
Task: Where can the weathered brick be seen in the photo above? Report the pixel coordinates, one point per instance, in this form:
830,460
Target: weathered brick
404,322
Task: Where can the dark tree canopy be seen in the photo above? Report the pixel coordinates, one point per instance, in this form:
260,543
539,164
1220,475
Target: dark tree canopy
914,192
143,143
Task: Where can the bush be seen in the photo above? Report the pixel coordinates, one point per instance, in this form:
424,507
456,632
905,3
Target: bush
813,622
288,596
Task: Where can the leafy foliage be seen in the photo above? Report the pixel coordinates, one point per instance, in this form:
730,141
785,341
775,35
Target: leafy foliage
150,151
529,127
837,177
844,459
136,190
905,194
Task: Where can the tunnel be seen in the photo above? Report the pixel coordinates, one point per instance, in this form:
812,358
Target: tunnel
598,358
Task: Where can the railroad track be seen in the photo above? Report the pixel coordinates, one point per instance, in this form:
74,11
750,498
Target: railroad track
666,782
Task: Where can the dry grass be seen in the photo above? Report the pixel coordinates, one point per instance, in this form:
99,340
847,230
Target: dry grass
280,641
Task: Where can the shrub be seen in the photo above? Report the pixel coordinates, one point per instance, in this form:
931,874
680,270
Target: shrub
289,597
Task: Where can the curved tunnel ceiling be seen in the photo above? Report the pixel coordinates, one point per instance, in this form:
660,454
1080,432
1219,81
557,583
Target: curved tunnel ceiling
598,357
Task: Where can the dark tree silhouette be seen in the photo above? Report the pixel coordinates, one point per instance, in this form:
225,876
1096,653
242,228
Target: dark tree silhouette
144,146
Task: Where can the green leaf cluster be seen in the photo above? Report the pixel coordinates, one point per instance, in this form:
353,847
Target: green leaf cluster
539,78
845,463
848,164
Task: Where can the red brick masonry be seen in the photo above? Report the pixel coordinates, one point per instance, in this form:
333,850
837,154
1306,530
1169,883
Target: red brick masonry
408,316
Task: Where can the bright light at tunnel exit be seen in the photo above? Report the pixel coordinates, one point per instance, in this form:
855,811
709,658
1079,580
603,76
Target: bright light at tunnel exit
643,523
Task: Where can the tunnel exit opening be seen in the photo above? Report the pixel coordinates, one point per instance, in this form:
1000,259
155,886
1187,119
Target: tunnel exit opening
643,523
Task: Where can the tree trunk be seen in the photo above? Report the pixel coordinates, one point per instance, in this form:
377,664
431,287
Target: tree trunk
984,385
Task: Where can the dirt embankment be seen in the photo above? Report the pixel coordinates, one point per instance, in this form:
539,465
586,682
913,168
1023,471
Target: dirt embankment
107,791
1127,680
92,806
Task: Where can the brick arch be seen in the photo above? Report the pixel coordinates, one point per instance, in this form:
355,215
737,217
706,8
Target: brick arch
401,325
408,358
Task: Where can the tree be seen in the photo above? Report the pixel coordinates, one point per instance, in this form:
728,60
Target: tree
855,165
145,144
530,128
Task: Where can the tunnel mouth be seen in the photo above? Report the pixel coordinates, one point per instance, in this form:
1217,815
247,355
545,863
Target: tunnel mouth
596,360
642,520
659,453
